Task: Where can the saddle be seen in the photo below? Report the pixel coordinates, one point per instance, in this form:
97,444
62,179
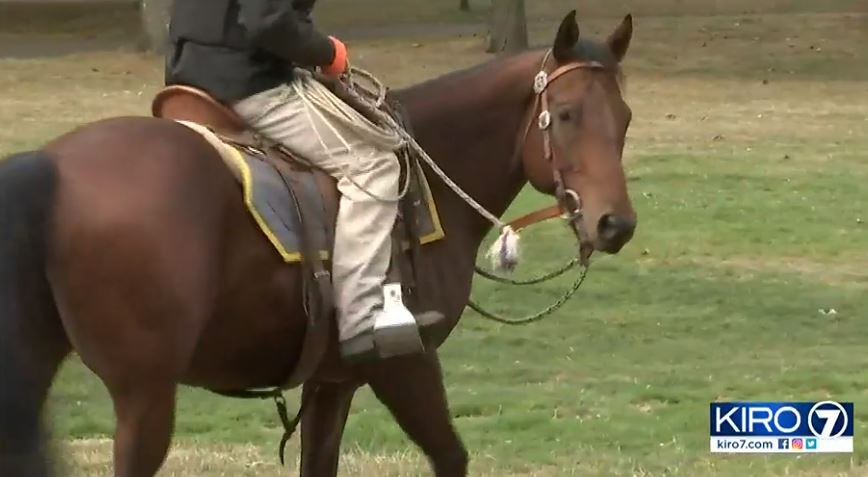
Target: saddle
313,206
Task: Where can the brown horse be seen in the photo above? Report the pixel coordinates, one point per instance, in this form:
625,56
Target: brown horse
127,241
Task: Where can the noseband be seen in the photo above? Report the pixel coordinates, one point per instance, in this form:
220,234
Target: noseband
569,201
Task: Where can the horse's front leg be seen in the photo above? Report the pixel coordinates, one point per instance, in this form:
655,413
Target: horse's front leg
322,426
412,388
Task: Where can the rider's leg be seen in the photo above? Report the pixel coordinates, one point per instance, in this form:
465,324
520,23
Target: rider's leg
362,239
363,245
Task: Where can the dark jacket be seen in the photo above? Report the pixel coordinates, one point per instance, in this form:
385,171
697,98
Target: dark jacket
236,48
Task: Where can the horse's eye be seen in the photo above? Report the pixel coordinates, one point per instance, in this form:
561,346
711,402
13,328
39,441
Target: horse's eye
568,114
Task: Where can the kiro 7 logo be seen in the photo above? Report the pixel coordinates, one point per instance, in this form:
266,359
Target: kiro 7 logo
826,419
833,417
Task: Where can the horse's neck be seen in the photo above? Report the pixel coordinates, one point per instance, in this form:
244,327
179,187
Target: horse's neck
468,123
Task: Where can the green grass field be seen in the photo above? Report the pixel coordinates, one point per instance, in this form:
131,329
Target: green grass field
748,159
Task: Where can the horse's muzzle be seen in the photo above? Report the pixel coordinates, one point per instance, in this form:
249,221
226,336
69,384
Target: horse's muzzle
614,231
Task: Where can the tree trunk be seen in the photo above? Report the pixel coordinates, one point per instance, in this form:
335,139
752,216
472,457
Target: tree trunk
155,23
508,28
464,5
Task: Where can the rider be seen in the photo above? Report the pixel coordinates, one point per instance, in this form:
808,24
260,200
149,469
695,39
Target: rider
248,54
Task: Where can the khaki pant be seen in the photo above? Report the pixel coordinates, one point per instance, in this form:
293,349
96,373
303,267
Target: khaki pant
310,121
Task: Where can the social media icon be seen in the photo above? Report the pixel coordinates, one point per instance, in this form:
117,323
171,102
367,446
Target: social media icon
811,443
797,443
783,443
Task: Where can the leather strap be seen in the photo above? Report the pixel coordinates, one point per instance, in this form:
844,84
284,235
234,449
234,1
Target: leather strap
537,216
541,103
411,222
393,273
409,219
319,298
326,184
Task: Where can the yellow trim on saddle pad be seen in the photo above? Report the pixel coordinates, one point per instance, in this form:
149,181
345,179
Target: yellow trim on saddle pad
438,232
241,170
247,181
234,160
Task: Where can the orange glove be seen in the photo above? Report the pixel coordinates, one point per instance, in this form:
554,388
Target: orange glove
339,64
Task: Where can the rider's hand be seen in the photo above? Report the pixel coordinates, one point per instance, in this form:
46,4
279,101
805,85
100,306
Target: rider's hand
339,64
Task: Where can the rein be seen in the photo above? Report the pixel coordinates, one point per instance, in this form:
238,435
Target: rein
568,206
535,316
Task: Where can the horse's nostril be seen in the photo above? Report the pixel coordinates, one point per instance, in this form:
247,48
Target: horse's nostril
606,224
612,227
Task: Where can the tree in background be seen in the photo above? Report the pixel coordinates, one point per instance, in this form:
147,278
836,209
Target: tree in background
507,31
155,23
464,5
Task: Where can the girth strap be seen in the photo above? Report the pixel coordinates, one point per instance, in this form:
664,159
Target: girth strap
318,290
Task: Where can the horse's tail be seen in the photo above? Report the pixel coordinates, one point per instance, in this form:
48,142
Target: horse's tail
32,340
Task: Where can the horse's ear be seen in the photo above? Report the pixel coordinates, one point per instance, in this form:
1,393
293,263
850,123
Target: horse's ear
619,40
568,36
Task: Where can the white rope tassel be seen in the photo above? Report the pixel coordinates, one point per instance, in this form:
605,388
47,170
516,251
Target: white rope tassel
504,252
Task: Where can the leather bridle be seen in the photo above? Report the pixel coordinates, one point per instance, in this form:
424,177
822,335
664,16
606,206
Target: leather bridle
569,203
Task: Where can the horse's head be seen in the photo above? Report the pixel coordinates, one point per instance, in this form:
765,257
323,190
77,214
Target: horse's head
573,148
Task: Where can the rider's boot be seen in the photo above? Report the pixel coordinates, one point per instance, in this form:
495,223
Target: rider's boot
396,331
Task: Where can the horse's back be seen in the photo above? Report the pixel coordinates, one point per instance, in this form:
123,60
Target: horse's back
157,265
149,190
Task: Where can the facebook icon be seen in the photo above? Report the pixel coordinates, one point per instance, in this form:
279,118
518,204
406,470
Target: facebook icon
783,443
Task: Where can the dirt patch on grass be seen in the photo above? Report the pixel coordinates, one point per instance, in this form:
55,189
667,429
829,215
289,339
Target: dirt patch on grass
790,117
849,272
29,29
38,29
